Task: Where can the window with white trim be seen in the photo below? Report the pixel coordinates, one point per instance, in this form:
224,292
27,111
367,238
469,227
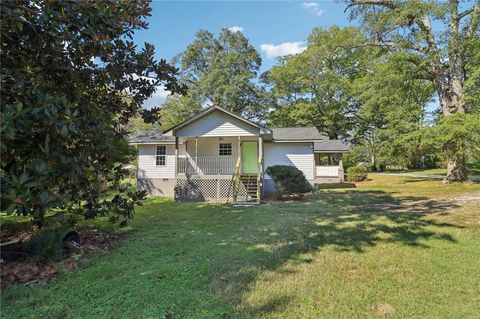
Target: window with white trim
161,155
225,149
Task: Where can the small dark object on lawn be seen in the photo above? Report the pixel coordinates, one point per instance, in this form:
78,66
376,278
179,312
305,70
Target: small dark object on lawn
50,243
71,241
10,250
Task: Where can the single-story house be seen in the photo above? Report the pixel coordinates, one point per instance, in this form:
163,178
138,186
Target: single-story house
219,155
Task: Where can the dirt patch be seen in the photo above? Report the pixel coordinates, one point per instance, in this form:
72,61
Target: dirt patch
384,309
467,198
27,269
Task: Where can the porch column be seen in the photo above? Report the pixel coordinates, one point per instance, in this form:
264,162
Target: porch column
239,152
260,155
260,168
196,149
196,155
340,167
176,156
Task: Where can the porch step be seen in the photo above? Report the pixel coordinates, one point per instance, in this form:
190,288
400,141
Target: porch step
249,181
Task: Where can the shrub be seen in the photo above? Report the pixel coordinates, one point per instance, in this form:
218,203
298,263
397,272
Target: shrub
288,180
357,173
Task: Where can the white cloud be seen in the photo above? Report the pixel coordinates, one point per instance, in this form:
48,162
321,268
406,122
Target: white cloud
308,5
157,98
236,29
286,48
313,7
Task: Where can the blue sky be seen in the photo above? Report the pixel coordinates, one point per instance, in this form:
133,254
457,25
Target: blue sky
273,27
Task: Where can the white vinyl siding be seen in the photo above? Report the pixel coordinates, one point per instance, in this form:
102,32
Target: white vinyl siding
209,146
147,163
299,155
218,124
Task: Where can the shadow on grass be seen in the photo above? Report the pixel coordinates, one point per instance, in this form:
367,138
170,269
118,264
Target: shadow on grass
349,221
321,186
202,258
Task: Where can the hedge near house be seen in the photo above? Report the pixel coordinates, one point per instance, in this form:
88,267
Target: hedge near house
288,180
66,68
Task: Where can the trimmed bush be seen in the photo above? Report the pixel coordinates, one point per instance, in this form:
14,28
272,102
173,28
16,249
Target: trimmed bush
288,180
357,173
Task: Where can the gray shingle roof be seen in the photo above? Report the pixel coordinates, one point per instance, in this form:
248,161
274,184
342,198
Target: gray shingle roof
330,145
297,133
151,137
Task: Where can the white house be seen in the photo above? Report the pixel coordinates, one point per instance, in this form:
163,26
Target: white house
220,155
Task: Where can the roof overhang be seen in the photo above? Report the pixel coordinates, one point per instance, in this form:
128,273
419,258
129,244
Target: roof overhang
155,143
294,141
330,152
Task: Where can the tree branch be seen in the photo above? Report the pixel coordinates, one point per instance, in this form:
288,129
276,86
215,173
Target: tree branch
455,19
387,45
473,22
387,4
465,13
426,27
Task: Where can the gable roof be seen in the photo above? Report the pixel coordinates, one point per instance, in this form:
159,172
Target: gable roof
297,133
152,137
334,146
211,110
321,143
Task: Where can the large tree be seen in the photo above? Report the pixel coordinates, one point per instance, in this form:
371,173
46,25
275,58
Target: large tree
221,70
66,69
392,117
437,38
315,86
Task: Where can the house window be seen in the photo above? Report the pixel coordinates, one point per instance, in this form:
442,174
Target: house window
161,156
225,149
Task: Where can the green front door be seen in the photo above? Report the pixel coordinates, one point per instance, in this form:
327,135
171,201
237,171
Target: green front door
249,158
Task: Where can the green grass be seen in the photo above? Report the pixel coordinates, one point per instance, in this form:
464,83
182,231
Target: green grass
432,171
392,247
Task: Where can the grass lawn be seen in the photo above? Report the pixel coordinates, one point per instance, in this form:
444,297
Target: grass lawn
392,247
432,171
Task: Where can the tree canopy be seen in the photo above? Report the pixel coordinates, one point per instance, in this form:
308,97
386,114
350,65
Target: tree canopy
66,69
441,55
315,86
219,70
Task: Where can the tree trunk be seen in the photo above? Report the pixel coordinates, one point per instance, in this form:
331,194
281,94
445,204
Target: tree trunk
452,102
456,170
373,155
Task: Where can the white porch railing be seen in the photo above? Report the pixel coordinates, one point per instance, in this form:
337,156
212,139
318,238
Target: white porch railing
206,165
327,171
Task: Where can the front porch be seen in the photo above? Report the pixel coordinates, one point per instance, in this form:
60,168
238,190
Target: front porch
328,167
218,155
218,168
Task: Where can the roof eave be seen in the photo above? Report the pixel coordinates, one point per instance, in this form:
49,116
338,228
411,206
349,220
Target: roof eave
294,141
330,151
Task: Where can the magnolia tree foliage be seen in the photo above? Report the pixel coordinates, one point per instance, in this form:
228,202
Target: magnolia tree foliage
66,68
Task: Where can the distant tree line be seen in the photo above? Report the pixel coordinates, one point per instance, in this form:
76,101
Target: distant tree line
401,94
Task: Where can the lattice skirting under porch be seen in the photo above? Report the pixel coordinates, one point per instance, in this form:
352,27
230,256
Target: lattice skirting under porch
206,189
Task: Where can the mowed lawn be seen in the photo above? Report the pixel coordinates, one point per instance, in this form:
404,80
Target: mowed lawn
391,247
